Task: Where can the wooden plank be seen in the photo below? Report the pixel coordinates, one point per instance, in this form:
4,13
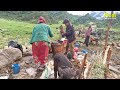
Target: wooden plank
87,70
109,56
105,55
114,69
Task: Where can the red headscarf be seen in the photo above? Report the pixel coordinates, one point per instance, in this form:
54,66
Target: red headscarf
41,19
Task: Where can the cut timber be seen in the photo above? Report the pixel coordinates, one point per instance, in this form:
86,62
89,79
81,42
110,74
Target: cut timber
118,48
114,69
115,75
87,69
109,56
83,65
84,61
105,55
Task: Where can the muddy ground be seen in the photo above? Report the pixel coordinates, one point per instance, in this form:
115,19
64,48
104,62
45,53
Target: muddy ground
28,62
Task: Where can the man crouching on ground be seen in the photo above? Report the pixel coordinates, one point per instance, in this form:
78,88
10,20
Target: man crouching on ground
64,67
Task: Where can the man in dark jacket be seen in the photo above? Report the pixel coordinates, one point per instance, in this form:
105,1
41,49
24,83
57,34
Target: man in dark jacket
70,35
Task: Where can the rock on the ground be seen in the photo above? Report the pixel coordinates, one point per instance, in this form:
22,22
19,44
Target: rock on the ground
115,75
3,61
4,77
29,53
116,59
9,55
21,75
14,53
114,69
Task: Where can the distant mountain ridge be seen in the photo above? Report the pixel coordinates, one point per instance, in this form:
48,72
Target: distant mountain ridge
97,14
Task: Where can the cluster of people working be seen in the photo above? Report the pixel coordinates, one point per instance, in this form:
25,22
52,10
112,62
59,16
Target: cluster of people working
40,44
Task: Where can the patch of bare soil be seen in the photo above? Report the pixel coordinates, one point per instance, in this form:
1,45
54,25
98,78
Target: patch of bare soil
27,69
115,64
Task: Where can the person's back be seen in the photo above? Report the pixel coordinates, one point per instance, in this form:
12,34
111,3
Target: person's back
41,32
62,60
64,67
40,43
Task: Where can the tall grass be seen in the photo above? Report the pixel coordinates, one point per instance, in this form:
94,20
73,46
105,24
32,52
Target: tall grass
21,31
98,68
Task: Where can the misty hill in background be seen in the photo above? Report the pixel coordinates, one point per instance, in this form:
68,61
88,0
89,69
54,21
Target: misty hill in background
53,17
32,16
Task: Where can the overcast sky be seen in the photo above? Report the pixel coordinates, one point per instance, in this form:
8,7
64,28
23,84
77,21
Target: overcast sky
82,12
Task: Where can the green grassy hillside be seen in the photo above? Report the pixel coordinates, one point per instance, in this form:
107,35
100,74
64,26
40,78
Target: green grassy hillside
20,31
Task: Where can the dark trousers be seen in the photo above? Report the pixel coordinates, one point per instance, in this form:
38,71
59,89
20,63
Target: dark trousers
87,40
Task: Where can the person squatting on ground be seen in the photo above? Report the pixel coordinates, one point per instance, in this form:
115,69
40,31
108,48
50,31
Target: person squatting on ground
70,35
40,42
87,35
64,68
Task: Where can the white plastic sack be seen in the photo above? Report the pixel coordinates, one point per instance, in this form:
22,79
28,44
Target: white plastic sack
48,73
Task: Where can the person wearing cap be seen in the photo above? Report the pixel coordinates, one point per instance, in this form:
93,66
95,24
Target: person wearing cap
70,35
40,42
